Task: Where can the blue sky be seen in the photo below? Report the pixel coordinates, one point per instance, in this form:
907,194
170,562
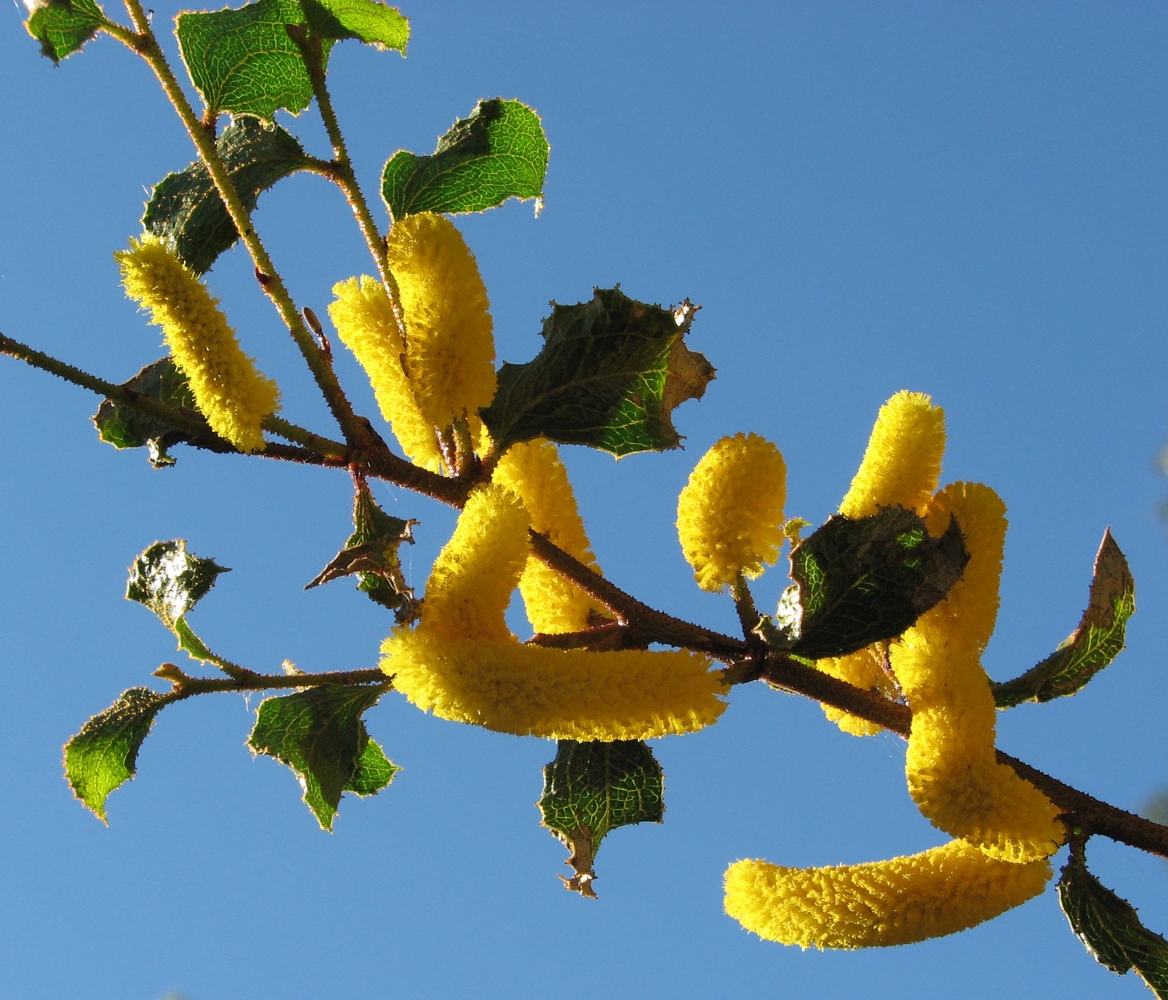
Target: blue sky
966,200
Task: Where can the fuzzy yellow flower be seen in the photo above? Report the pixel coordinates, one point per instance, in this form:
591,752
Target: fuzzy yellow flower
463,664
902,463
364,319
730,513
901,901
450,349
229,390
953,775
534,471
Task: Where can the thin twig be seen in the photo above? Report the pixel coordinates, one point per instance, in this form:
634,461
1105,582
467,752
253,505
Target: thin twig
185,686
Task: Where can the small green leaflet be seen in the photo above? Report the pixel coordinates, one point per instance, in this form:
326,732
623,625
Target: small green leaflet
63,26
104,754
126,428
592,788
609,375
1097,641
170,581
499,152
864,579
245,61
372,553
185,208
320,735
1109,927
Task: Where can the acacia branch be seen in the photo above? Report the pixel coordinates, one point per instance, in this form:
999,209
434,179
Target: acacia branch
184,686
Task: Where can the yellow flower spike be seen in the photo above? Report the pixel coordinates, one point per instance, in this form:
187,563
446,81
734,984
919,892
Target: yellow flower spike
476,572
563,694
901,901
450,349
730,513
462,663
229,390
902,463
864,669
364,319
953,775
535,472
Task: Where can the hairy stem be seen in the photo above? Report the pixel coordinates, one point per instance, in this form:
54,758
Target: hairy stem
145,43
343,173
185,686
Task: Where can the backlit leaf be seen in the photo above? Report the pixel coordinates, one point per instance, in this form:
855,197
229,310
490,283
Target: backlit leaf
319,733
63,26
1110,928
865,579
170,581
499,152
104,754
609,375
126,428
185,208
376,24
593,788
1097,641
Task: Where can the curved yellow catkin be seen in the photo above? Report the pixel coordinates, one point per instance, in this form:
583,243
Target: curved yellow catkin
864,668
462,663
730,513
450,349
953,775
476,572
901,901
365,322
564,694
229,390
902,462
535,472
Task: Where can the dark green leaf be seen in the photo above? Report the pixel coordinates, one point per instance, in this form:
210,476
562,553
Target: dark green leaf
1109,927
373,23
609,375
319,734
63,26
244,61
103,755
1092,646
126,428
592,788
170,581
372,553
186,209
865,579
499,152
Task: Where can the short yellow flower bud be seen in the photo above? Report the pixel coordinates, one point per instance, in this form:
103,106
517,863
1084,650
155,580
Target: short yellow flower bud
902,463
730,513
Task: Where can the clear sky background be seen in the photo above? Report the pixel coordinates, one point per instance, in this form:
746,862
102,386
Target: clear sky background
961,199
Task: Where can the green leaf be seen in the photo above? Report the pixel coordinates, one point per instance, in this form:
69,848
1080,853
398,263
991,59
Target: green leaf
375,24
190,642
865,579
609,375
1109,927
186,209
592,788
372,553
170,581
126,428
63,26
499,152
1097,641
319,734
244,61
104,754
